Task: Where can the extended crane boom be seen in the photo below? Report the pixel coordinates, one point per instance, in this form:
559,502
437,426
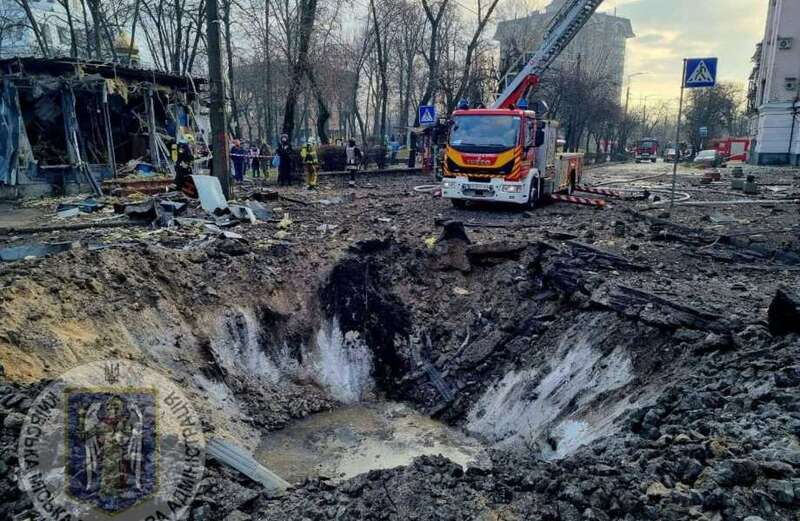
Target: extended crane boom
570,19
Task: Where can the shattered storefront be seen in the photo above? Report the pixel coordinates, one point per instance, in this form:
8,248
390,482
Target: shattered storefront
65,126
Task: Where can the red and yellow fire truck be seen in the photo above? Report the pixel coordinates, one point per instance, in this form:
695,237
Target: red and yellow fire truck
507,153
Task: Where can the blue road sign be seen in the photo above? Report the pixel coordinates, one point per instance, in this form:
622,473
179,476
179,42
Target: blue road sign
700,72
703,131
427,115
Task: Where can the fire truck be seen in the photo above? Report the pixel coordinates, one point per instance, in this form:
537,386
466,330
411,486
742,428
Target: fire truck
733,148
507,153
646,150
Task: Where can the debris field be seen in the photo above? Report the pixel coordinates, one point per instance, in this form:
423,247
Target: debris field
635,362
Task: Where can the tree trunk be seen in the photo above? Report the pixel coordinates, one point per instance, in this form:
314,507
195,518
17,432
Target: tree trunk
236,127
86,29
219,136
73,39
268,55
308,14
383,82
41,41
323,113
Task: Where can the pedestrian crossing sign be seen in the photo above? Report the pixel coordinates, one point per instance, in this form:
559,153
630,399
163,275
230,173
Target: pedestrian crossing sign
427,115
700,72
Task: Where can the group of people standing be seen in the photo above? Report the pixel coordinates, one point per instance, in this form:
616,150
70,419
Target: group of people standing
310,161
255,159
258,159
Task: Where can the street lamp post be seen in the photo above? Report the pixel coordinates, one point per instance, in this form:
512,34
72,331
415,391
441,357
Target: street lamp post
624,141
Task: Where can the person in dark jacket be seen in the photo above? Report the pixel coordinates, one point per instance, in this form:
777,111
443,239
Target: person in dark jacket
184,170
255,161
284,153
239,158
183,166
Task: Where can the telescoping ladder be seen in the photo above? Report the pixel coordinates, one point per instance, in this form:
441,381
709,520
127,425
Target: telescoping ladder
570,19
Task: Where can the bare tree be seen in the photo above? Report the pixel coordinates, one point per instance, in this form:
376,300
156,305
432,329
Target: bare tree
173,32
434,15
469,64
299,70
33,23
716,109
12,22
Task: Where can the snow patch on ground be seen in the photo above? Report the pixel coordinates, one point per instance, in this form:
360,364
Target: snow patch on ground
238,347
341,363
550,408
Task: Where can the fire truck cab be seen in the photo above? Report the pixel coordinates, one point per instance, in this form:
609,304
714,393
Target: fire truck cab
505,155
646,150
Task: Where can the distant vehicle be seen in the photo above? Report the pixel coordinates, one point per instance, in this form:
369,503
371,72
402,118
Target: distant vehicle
734,148
670,155
710,159
646,150
506,155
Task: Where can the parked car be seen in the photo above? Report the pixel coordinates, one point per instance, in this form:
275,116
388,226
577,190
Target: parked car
709,158
670,155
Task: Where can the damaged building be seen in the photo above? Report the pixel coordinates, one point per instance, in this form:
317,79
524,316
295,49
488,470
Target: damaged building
69,125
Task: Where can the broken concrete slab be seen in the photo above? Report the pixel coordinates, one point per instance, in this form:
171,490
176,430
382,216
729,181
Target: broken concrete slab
784,312
604,258
228,495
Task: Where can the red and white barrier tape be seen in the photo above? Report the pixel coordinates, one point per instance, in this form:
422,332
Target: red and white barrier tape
599,203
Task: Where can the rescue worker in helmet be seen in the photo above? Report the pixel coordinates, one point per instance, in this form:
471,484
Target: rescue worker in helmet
308,154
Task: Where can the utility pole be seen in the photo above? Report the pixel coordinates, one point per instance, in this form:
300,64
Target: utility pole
219,134
678,138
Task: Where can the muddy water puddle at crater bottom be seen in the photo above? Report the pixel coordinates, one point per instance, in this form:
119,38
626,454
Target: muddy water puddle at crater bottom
356,439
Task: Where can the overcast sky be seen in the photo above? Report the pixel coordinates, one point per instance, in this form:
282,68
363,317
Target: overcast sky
669,30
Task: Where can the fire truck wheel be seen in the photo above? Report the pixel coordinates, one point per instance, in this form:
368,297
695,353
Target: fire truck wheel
533,196
459,203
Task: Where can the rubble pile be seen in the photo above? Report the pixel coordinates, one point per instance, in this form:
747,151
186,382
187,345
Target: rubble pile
615,364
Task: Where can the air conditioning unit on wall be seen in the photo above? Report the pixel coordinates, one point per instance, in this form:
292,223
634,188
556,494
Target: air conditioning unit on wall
785,44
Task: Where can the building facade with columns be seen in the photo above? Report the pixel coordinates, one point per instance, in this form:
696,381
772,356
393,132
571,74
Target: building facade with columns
774,94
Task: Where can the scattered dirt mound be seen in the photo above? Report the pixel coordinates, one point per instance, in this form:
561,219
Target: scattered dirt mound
599,398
